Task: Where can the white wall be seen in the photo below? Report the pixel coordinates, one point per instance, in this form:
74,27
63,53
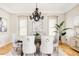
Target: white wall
14,23
69,18
11,23
61,18
6,15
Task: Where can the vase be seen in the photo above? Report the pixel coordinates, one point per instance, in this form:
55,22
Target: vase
60,41
37,44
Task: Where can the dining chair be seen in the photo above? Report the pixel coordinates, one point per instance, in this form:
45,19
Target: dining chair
47,45
29,46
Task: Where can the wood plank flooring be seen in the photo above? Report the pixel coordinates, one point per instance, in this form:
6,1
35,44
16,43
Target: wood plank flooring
5,49
68,50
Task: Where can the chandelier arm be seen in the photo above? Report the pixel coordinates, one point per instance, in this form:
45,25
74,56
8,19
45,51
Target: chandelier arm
36,15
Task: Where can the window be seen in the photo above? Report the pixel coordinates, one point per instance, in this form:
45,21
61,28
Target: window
52,23
23,26
37,26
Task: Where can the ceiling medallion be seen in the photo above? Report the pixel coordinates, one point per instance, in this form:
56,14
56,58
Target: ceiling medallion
36,15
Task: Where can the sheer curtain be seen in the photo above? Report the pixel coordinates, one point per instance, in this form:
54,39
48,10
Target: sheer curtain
22,30
52,23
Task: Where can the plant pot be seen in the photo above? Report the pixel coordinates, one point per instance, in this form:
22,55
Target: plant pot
38,41
37,44
60,41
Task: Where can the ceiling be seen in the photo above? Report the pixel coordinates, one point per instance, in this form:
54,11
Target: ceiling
50,8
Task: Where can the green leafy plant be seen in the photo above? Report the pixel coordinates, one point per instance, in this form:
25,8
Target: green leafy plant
36,34
61,31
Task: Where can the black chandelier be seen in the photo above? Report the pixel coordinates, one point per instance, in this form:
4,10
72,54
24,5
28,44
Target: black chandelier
36,15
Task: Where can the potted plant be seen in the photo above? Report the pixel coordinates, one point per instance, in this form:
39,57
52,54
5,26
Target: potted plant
60,30
36,34
37,38
37,42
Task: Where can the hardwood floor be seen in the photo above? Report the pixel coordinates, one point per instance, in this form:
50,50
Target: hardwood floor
5,49
68,50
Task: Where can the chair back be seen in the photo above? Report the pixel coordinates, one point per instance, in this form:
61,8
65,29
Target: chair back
47,44
28,45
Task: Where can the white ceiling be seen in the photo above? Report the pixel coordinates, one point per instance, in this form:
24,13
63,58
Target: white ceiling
53,8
